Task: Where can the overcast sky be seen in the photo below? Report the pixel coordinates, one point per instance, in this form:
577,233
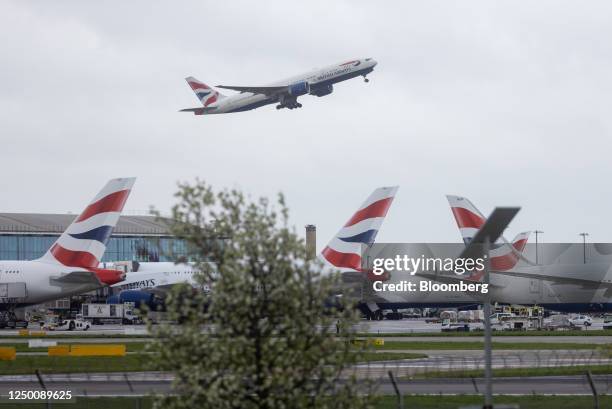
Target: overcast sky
506,103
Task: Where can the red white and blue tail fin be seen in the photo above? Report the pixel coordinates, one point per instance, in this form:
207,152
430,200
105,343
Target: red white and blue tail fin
520,241
207,95
504,255
344,250
468,217
84,242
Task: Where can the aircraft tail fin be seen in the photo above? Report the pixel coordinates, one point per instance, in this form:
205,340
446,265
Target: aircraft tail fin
344,250
468,217
504,255
206,94
520,241
84,242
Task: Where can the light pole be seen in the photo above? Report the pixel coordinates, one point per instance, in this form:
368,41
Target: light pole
537,232
584,236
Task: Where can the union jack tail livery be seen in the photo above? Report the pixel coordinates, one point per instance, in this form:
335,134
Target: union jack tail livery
344,250
504,255
83,244
207,95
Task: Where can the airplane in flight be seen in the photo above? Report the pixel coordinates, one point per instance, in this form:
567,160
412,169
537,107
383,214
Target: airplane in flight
71,265
319,82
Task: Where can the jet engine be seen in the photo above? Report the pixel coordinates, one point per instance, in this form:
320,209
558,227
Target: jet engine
322,90
134,296
299,88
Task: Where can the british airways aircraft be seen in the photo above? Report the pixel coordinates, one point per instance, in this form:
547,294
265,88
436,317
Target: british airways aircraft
318,82
71,265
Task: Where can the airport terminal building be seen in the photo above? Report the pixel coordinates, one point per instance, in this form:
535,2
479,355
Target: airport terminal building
27,236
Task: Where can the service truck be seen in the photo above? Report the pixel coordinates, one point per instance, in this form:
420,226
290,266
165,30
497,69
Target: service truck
110,313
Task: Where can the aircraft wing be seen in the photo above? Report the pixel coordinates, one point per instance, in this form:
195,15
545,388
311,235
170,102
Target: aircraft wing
257,90
199,110
78,277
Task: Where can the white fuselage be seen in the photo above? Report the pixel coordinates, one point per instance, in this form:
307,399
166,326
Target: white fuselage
319,77
38,279
159,275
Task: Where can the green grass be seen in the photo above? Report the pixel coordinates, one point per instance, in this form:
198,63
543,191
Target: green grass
27,364
525,402
469,345
382,402
522,372
589,333
389,345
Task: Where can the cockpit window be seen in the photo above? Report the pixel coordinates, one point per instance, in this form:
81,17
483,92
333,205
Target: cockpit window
368,59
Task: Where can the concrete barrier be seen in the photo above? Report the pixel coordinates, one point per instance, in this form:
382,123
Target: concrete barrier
97,350
7,353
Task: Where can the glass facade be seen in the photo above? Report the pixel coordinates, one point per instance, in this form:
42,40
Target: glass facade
120,248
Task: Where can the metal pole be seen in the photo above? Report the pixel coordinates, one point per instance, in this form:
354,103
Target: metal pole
488,404
584,236
593,389
400,399
537,232
42,384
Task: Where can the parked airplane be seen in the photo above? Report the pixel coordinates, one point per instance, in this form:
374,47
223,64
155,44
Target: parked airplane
70,266
318,82
504,255
563,282
146,280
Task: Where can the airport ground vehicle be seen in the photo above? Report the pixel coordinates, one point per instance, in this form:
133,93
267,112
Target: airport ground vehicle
558,322
581,321
110,313
607,324
9,320
470,316
449,326
73,324
498,317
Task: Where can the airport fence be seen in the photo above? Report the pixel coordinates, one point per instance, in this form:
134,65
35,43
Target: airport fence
91,380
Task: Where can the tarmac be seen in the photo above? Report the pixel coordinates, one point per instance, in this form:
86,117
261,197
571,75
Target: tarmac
144,383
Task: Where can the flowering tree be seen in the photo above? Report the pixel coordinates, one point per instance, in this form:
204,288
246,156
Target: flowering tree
266,335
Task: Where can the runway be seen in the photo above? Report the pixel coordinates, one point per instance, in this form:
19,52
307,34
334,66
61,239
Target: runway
135,384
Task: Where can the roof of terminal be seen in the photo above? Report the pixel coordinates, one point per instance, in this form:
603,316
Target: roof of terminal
38,223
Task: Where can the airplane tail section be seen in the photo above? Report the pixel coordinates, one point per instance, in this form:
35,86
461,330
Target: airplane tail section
344,250
504,255
520,241
207,95
84,242
468,217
